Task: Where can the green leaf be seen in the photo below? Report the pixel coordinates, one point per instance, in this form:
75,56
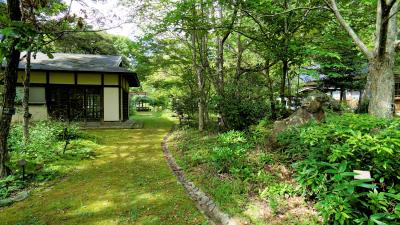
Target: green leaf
397,197
370,186
375,218
51,56
8,31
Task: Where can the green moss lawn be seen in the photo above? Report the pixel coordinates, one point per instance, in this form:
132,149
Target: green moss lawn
128,182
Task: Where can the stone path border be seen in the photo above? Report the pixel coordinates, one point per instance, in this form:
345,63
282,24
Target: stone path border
203,202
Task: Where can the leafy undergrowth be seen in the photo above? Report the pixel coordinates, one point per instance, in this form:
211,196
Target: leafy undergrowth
44,155
315,162
243,177
326,155
128,182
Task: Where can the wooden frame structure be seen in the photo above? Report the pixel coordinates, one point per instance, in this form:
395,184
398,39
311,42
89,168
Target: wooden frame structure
84,94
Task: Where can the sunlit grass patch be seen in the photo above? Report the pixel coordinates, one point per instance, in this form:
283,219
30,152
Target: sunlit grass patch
128,182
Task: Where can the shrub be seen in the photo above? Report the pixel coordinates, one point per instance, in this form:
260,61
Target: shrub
46,146
46,143
260,133
328,153
229,155
8,185
244,107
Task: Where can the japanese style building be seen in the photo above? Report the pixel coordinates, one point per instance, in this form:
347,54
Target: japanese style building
78,87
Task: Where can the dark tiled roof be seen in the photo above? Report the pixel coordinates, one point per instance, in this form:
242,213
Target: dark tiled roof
76,62
80,63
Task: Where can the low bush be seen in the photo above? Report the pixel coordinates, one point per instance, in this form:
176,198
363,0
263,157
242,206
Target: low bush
327,154
43,153
236,170
260,133
230,153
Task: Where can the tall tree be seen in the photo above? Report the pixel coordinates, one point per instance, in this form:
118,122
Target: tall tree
12,55
220,40
380,81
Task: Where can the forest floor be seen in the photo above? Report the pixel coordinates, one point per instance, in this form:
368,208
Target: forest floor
129,182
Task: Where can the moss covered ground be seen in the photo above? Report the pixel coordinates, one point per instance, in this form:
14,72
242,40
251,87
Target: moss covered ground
128,182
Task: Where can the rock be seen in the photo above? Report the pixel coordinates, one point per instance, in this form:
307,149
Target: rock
5,202
311,108
21,196
18,197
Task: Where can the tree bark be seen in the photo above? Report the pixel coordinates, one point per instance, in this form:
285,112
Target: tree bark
201,101
10,80
200,81
220,76
289,90
381,88
380,82
342,95
285,68
271,91
25,100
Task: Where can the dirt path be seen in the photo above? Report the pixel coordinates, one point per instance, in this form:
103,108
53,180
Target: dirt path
128,183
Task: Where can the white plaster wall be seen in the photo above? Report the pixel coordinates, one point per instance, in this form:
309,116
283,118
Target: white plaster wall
39,112
111,104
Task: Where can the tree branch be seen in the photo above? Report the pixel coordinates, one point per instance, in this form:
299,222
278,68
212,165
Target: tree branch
291,10
256,21
233,19
349,30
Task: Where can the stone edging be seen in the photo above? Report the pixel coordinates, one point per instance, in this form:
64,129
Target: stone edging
203,202
18,197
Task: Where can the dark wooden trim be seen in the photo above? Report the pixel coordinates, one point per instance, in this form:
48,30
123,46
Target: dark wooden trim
135,76
119,97
72,71
76,78
47,77
75,85
102,104
33,85
102,98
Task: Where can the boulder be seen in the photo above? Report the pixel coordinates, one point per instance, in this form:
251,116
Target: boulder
312,108
18,197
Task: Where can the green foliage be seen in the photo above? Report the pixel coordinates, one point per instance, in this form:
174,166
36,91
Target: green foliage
8,185
229,155
278,189
232,171
243,105
96,43
44,138
184,105
43,152
328,153
260,133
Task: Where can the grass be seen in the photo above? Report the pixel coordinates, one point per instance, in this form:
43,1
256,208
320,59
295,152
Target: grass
264,195
128,182
230,194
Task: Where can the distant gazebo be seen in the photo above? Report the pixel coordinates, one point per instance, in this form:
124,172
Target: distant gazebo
142,101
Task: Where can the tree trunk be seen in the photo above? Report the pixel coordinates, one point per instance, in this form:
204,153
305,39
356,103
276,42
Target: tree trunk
201,101
289,89
199,71
25,100
342,95
381,87
220,77
381,66
285,68
271,92
380,83
10,80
